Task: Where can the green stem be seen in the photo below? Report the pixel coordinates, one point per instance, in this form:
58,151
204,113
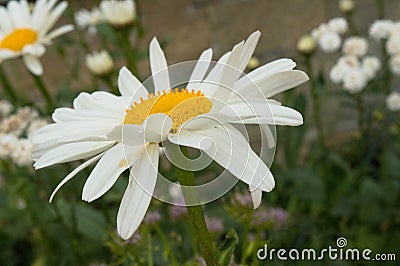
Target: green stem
7,85
128,50
196,215
149,250
245,243
167,246
352,24
361,111
107,79
381,9
315,102
44,91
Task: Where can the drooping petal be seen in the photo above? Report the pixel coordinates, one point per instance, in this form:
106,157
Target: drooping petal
36,50
129,85
138,194
115,161
256,196
73,173
33,64
232,151
159,67
72,152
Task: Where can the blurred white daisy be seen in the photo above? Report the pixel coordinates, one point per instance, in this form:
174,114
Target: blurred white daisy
122,134
394,64
330,42
118,13
88,19
25,33
393,101
100,63
356,46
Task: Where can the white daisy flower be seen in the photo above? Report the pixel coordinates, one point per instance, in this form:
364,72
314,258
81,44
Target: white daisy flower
100,63
105,130
338,25
330,42
393,101
381,29
88,19
25,33
118,13
356,46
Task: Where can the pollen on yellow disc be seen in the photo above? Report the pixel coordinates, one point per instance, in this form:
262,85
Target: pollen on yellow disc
17,39
180,105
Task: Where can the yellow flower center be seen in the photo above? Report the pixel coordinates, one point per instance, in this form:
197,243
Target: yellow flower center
180,105
17,39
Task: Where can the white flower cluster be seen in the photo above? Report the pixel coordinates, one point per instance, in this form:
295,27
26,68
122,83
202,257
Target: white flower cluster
117,13
389,31
353,72
393,101
327,35
15,130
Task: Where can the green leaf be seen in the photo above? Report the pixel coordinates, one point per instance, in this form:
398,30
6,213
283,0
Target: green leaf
228,247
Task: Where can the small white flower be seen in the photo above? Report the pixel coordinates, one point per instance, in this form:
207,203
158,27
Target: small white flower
7,145
35,125
370,66
394,64
355,46
393,101
88,19
13,125
25,33
330,42
381,29
349,61
395,28
354,81
346,6
5,108
319,31
393,44
21,154
118,13
338,25
100,63
338,72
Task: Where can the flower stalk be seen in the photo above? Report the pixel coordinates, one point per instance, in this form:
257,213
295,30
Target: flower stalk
127,49
44,91
315,101
7,85
196,216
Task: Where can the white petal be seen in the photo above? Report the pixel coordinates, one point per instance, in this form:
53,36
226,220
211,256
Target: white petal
68,114
248,49
18,14
128,134
36,50
7,54
69,131
33,64
158,65
156,127
59,31
138,194
6,23
73,173
187,138
129,85
232,151
256,196
71,152
54,16
200,69
115,161
205,121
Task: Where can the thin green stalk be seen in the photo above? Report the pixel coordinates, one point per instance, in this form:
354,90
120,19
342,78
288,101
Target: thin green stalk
7,85
387,74
361,111
381,9
196,216
352,24
44,91
128,50
149,250
107,79
245,242
167,246
315,102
